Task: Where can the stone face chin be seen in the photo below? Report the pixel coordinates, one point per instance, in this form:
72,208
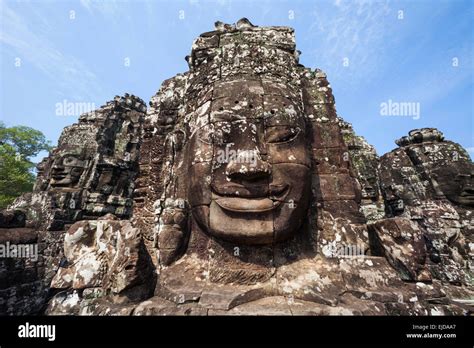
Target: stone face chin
240,191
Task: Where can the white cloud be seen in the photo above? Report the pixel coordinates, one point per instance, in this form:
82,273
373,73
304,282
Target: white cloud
105,8
87,5
67,72
348,29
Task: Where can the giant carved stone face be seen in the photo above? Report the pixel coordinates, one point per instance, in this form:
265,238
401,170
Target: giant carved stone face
249,164
67,168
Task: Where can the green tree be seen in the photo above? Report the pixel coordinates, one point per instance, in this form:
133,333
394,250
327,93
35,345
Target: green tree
17,146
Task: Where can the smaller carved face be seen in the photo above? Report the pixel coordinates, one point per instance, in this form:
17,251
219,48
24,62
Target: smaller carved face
457,182
451,170
67,169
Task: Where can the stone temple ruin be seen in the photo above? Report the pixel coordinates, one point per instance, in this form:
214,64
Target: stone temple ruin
239,190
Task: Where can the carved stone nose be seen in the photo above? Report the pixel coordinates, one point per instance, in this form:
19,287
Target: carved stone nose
469,185
247,165
58,166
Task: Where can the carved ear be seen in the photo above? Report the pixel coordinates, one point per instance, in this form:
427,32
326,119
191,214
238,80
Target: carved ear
435,185
175,140
173,230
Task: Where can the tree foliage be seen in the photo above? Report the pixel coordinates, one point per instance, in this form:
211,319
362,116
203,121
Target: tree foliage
17,146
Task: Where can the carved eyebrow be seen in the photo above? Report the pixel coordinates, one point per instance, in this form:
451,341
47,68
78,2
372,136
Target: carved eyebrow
281,134
284,120
226,116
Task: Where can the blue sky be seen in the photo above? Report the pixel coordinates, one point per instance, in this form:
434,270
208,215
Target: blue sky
372,51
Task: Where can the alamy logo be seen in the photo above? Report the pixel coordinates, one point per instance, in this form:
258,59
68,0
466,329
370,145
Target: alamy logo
249,157
67,108
343,250
37,331
20,251
405,109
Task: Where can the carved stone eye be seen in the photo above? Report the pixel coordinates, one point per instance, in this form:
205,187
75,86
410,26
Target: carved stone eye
76,171
68,161
276,135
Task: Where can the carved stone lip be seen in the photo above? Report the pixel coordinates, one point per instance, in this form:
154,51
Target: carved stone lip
248,205
58,173
58,177
466,197
467,193
234,203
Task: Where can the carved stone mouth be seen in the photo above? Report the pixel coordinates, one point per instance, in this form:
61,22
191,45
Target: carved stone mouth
466,197
234,203
60,180
249,205
467,193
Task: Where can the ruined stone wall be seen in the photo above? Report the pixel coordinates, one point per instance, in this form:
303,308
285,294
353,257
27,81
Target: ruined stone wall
22,289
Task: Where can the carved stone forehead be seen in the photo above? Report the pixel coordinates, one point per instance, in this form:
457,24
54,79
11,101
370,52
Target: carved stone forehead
253,86
252,101
78,139
255,100
444,154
